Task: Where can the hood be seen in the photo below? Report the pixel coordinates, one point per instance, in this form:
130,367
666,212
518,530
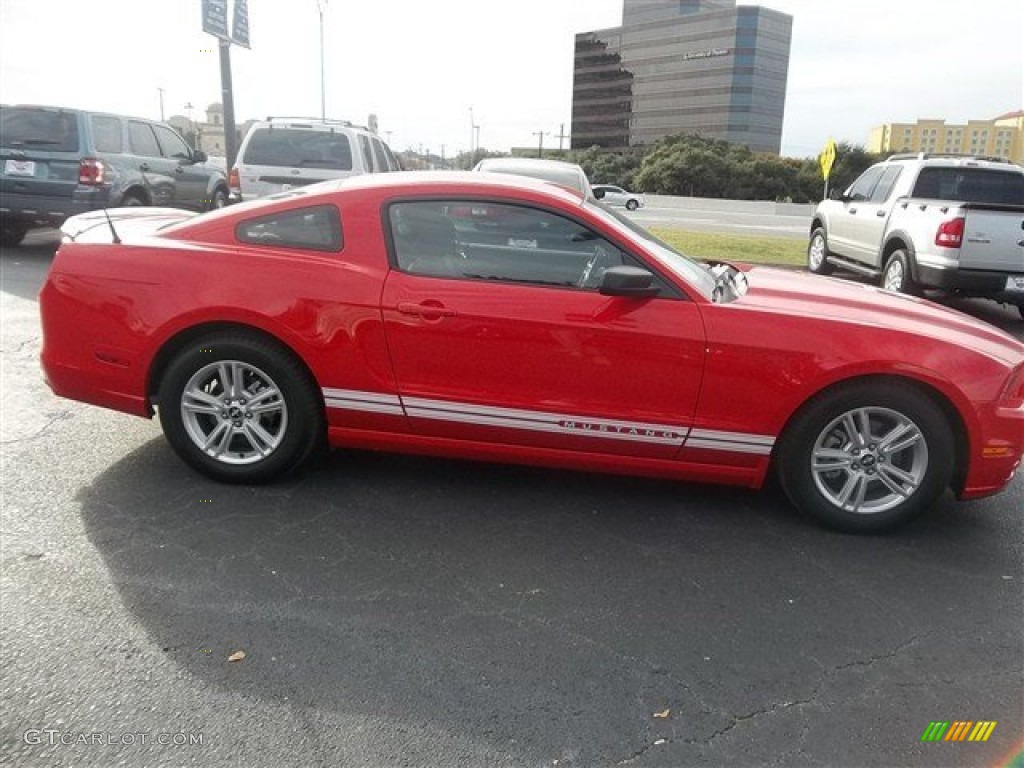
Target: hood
129,223
813,296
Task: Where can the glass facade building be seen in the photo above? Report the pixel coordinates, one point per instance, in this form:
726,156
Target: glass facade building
683,66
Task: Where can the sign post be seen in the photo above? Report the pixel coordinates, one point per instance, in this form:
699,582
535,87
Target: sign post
826,159
215,22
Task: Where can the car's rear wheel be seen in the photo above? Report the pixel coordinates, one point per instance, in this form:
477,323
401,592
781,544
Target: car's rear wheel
219,199
867,456
240,409
12,234
896,276
632,205
131,200
817,253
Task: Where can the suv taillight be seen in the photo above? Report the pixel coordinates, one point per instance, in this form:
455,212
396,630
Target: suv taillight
234,182
950,233
91,171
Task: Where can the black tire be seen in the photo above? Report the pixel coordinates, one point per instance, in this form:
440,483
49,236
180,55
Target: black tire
824,493
219,199
896,276
818,253
295,419
12,234
131,200
632,205
1020,311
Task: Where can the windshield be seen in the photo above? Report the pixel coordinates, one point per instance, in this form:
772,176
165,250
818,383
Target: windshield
299,148
694,273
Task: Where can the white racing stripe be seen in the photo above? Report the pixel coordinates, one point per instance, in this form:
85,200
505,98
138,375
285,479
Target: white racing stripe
371,402
543,421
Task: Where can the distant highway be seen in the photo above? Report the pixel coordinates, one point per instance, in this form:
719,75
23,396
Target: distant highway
740,217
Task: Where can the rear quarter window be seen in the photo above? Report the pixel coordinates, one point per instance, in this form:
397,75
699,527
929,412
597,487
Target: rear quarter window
316,228
53,130
107,134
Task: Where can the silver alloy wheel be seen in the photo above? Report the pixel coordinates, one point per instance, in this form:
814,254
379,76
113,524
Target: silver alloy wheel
869,460
894,276
234,412
816,253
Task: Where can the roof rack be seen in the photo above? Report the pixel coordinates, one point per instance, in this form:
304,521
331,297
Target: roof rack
283,118
929,155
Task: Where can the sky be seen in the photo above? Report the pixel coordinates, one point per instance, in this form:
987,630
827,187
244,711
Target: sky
422,65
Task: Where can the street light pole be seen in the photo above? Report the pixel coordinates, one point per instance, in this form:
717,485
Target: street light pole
320,5
161,103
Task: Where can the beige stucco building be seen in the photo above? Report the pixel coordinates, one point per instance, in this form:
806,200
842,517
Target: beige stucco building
1002,136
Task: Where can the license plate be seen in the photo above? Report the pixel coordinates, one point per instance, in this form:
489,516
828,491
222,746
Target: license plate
20,168
1015,283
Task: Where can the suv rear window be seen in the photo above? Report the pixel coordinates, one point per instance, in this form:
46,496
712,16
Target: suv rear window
50,129
971,185
296,148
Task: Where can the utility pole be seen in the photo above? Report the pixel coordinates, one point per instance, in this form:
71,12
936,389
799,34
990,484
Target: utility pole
320,5
443,164
227,101
161,103
540,143
561,135
473,128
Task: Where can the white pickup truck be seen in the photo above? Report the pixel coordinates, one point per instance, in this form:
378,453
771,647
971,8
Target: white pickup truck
928,221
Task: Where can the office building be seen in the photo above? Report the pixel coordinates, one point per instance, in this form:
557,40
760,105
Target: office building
683,66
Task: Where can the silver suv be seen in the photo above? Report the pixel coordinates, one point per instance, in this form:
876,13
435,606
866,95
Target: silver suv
281,153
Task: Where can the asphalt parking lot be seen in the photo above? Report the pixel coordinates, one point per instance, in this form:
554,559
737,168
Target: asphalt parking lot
399,611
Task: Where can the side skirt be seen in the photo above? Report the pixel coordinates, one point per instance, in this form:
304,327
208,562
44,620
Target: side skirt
751,477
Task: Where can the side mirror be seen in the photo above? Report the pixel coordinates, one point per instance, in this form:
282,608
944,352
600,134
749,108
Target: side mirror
198,156
837,194
599,194
628,281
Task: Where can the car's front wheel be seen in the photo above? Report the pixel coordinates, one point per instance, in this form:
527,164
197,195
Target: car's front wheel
817,253
240,408
867,456
632,205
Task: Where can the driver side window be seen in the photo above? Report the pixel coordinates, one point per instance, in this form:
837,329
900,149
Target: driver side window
477,240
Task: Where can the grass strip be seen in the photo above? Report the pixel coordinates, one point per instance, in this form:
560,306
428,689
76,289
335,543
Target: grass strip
752,249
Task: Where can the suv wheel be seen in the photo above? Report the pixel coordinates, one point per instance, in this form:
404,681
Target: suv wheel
817,253
896,276
632,205
11,234
219,199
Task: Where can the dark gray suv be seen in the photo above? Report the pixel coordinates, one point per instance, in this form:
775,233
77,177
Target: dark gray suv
57,162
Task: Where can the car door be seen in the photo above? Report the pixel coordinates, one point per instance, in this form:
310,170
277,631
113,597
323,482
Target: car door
191,187
498,333
843,237
155,170
868,225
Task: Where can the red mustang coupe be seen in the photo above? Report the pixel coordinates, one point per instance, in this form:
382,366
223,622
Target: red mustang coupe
498,318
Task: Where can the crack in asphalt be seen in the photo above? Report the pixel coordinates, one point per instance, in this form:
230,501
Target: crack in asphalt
61,416
780,706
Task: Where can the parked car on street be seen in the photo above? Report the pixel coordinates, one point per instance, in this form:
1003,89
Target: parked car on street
612,195
60,162
928,221
506,319
567,175
282,153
